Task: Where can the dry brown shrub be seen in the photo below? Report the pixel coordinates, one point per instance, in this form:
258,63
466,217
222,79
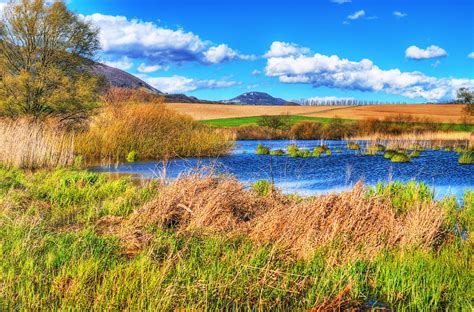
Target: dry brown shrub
345,226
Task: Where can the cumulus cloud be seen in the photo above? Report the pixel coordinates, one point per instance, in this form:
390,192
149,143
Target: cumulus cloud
335,72
341,1
137,39
222,52
356,15
471,55
143,68
417,53
180,84
399,14
280,49
123,63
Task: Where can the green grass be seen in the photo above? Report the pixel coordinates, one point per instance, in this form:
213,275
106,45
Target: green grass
52,257
243,121
253,120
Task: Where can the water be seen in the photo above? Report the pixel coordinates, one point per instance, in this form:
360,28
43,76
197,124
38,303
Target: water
311,176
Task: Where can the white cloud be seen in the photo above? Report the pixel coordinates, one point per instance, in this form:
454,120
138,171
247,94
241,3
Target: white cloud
432,51
279,49
256,72
436,64
143,68
180,84
123,63
356,15
471,55
222,52
341,1
137,39
399,14
334,72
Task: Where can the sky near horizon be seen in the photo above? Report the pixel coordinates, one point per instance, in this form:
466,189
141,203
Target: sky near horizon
384,50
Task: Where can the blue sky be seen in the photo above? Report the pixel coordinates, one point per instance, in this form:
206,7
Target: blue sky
361,49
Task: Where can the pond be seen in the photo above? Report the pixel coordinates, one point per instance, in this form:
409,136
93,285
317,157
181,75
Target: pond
311,176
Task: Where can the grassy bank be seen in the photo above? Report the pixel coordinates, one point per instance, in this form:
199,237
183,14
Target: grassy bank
73,239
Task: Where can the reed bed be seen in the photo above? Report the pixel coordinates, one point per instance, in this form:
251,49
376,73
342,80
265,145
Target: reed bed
151,131
424,139
30,144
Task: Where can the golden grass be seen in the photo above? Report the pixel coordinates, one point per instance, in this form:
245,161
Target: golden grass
349,225
425,139
28,144
443,113
152,131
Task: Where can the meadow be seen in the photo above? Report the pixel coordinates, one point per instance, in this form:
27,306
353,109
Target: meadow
440,113
72,239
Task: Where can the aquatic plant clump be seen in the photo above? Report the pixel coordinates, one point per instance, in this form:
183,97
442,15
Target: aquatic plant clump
415,153
400,158
389,154
293,150
277,152
466,158
262,150
353,146
132,157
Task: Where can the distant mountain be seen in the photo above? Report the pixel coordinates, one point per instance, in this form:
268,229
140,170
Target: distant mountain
257,98
121,79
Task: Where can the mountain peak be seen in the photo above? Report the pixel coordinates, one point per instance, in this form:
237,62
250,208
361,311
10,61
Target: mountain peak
257,98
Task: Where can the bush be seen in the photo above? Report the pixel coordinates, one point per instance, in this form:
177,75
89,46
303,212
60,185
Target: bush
277,152
306,131
262,150
466,158
275,122
262,187
400,158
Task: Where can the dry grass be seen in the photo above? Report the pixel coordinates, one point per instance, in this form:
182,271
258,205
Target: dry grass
425,139
347,225
28,144
449,113
150,130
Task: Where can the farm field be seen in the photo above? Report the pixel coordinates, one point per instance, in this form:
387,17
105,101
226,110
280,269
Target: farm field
443,113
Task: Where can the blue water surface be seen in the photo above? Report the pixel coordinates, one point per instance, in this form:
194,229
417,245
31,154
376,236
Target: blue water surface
311,176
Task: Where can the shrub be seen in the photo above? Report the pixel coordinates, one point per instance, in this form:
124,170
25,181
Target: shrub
262,187
400,158
262,150
353,146
275,122
306,131
277,152
466,158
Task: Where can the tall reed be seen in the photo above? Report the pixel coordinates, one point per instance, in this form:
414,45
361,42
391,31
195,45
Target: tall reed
26,143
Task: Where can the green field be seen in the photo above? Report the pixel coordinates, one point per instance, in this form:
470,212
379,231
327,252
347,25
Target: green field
253,120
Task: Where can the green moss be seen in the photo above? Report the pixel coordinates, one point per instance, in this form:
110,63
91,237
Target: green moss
400,158
262,150
277,152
